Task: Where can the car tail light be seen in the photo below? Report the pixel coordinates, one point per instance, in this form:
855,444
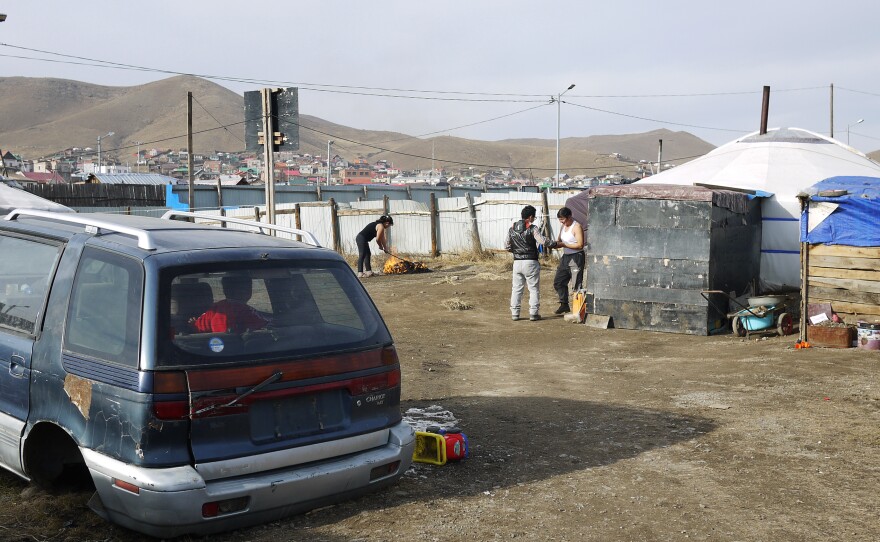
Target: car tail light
218,380
221,508
170,383
369,384
389,356
385,470
303,369
171,410
131,488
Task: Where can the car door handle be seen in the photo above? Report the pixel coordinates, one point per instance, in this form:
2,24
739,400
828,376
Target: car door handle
17,367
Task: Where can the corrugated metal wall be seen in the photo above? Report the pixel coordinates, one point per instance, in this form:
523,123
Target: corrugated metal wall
205,196
411,233
454,225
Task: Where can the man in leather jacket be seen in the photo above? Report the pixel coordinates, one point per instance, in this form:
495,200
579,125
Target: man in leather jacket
523,239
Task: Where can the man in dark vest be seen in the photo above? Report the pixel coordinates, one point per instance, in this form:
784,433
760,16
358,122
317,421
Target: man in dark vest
523,239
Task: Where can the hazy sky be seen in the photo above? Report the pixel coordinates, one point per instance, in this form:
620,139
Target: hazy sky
487,59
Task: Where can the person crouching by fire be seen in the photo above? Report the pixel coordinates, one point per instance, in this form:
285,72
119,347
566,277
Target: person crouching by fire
374,230
523,239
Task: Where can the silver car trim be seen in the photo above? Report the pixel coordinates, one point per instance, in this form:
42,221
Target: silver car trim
291,456
92,225
161,479
271,495
306,236
10,443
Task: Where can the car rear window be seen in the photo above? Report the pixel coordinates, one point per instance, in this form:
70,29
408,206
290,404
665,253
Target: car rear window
256,311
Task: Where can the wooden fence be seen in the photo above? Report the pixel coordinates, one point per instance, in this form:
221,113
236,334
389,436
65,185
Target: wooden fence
101,195
847,277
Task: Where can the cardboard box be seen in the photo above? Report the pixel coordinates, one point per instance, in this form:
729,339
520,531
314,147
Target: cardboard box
831,337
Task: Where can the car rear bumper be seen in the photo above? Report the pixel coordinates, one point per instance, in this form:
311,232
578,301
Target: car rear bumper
169,501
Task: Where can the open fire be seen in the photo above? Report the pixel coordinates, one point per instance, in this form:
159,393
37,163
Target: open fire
399,266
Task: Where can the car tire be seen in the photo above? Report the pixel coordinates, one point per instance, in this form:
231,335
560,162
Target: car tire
738,327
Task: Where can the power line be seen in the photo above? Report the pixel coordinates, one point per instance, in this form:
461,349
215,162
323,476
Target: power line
454,162
464,125
690,94
143,143
859,91
865,136
302,86
383,149
653,120
217,121
325,87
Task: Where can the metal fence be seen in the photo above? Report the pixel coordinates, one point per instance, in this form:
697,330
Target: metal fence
454,225
210,196
449,229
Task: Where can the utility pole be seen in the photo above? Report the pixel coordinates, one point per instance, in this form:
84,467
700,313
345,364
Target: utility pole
266,111
329,142
558,125
269,153
832,110
765,110
660,156
189,151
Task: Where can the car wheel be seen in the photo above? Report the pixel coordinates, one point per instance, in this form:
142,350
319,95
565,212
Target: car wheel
738,328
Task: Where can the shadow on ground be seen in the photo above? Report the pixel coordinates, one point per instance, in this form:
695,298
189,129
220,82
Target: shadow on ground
522,440
512,441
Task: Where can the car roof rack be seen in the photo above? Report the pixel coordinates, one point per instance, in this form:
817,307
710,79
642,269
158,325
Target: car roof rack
92,225
306,236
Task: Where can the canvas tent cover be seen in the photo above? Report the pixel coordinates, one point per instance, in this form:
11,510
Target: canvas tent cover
855,221
15,198
783,162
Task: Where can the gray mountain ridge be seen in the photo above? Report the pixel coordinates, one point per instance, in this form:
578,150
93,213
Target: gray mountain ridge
42,116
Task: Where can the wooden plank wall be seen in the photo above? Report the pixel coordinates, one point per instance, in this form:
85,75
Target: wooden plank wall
101,195
847,277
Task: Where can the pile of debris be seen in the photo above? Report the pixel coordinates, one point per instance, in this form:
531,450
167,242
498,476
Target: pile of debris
396,265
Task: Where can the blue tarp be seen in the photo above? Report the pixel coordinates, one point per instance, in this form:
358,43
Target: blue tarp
856,222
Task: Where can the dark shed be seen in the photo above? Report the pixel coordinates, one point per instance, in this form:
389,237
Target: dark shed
652,250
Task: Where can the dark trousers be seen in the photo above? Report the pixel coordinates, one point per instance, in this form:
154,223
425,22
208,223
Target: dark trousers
363,254
570,271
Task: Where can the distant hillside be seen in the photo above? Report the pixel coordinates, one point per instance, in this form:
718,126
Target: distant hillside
635,146
41,116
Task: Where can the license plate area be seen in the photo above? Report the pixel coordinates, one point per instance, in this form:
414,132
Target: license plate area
299,415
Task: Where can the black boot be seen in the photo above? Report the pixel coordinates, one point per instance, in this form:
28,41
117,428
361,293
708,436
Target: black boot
563,309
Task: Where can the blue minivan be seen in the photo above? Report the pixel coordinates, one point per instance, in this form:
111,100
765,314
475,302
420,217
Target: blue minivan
205,378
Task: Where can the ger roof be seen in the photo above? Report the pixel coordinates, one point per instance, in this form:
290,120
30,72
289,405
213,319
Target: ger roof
15,198
784,161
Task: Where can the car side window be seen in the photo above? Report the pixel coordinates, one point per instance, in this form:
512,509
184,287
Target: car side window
26,267
104,317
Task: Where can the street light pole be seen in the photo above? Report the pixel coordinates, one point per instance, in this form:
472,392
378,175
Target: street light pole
558,124
99,149
853,124
329,142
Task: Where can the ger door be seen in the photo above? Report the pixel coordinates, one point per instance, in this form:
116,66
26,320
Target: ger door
26,268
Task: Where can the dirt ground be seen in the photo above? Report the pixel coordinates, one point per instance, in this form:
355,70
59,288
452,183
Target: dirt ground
586,434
